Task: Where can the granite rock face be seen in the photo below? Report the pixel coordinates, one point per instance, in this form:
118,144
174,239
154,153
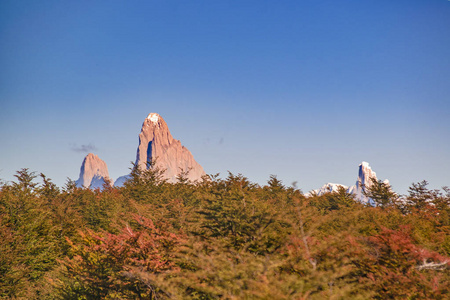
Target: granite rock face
93,172
156,143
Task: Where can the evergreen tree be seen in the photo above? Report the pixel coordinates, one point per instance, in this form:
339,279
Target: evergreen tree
381,193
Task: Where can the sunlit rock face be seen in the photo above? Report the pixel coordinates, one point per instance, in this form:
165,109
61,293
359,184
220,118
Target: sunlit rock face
156,142
93,172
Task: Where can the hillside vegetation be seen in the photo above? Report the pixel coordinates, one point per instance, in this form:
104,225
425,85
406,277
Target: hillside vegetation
220,239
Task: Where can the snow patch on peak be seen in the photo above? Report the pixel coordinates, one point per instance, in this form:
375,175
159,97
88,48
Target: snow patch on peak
365,164
153,117
327,188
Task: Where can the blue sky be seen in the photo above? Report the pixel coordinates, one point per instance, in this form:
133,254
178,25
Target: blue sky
305,90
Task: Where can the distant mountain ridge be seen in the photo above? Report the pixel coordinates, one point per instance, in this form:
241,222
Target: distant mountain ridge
329,188
157,144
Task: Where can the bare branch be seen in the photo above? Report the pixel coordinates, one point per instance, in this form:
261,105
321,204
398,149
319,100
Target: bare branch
432,265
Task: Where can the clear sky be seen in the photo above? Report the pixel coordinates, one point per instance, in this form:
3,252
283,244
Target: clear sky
305,90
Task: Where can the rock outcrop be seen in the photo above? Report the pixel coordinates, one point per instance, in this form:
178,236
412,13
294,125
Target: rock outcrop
93,172
156,143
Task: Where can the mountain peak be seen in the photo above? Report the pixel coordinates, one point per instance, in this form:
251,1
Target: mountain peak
153,117
364,181
365,174
156,142
154,123
91,156
93,172
365,164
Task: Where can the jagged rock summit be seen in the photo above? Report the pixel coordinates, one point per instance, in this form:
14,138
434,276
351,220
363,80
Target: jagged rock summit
156,142
93,172
365,174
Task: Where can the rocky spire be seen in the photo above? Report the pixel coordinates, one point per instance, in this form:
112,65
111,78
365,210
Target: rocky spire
93,172
156,142
365,174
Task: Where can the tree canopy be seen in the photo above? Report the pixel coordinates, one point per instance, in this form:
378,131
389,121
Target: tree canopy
220,239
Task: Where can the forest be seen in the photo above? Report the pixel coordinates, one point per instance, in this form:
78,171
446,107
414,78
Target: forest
222,238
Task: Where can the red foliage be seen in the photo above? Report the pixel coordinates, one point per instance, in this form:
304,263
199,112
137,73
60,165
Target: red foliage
117,262
395,267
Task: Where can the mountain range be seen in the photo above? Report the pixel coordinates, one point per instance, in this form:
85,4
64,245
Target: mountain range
365,174
155,144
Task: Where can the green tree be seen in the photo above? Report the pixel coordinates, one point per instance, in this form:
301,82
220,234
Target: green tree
145,185
381,193
27,243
